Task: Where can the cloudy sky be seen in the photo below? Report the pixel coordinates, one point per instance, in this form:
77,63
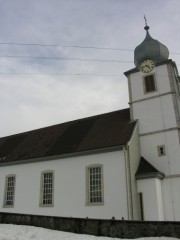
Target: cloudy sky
64,59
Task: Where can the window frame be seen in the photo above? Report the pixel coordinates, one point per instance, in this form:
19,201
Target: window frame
41,202
88,168
144,84
5,205
159,150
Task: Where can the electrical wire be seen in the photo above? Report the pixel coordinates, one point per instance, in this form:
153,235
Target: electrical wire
65,59
65,46
73,46
62,74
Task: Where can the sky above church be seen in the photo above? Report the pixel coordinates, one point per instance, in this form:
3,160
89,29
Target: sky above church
64,59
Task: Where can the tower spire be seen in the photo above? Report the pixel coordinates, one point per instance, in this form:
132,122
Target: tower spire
150,49
146,26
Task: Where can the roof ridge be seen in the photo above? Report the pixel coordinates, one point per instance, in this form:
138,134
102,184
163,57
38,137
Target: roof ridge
71,121
147,170
91,133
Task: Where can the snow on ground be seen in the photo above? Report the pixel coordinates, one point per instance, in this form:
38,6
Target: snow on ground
18,232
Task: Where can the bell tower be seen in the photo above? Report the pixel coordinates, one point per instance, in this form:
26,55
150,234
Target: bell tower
154,98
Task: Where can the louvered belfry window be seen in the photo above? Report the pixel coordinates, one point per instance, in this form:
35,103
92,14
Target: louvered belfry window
149,84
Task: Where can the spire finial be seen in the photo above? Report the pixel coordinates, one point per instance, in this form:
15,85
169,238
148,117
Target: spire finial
146,27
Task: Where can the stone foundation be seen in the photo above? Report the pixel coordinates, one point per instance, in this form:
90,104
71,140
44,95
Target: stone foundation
98,227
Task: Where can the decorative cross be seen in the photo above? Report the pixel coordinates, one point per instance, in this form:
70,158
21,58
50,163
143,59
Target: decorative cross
145,19
146,27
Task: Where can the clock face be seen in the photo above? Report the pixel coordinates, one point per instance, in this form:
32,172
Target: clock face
147,66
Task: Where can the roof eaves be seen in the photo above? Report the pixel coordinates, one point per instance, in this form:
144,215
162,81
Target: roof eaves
146,170
62,156
158,175
133,70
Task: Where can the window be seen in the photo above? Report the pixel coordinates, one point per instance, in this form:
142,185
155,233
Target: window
149,84
161,150
9,191
47,188
94,185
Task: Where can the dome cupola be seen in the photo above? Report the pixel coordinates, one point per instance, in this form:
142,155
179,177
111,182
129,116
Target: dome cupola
150,49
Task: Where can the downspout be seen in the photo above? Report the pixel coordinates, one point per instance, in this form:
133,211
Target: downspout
128,182
126,150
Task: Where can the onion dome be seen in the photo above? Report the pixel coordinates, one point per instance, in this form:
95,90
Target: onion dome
150,49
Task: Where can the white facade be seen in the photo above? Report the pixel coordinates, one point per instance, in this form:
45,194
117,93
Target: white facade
136,179
152,199
124,197
69,187
70,191
158,115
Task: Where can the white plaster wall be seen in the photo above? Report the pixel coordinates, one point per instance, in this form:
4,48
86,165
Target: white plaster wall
159,199
152,199
162,80
171,198
158,114
134,154
70,187
155,114
168,164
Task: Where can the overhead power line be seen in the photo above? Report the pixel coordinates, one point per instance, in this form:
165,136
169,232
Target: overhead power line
65,59
64,46
73,46
69,59
62,74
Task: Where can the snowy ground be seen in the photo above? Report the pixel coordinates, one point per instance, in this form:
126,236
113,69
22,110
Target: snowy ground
17,232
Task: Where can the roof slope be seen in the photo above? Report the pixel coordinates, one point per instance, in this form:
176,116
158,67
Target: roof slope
96,132
146,170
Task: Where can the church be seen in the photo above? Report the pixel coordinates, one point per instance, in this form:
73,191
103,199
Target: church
123,164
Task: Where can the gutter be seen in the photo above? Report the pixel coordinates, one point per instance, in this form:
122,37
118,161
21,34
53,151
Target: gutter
126,150
61,156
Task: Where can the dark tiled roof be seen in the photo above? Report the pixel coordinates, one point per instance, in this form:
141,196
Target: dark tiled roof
101,131
147,170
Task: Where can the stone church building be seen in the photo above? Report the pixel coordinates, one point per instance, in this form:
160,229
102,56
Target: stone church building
123,164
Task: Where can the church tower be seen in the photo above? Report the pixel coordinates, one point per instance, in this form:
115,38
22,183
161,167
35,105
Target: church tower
154,98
